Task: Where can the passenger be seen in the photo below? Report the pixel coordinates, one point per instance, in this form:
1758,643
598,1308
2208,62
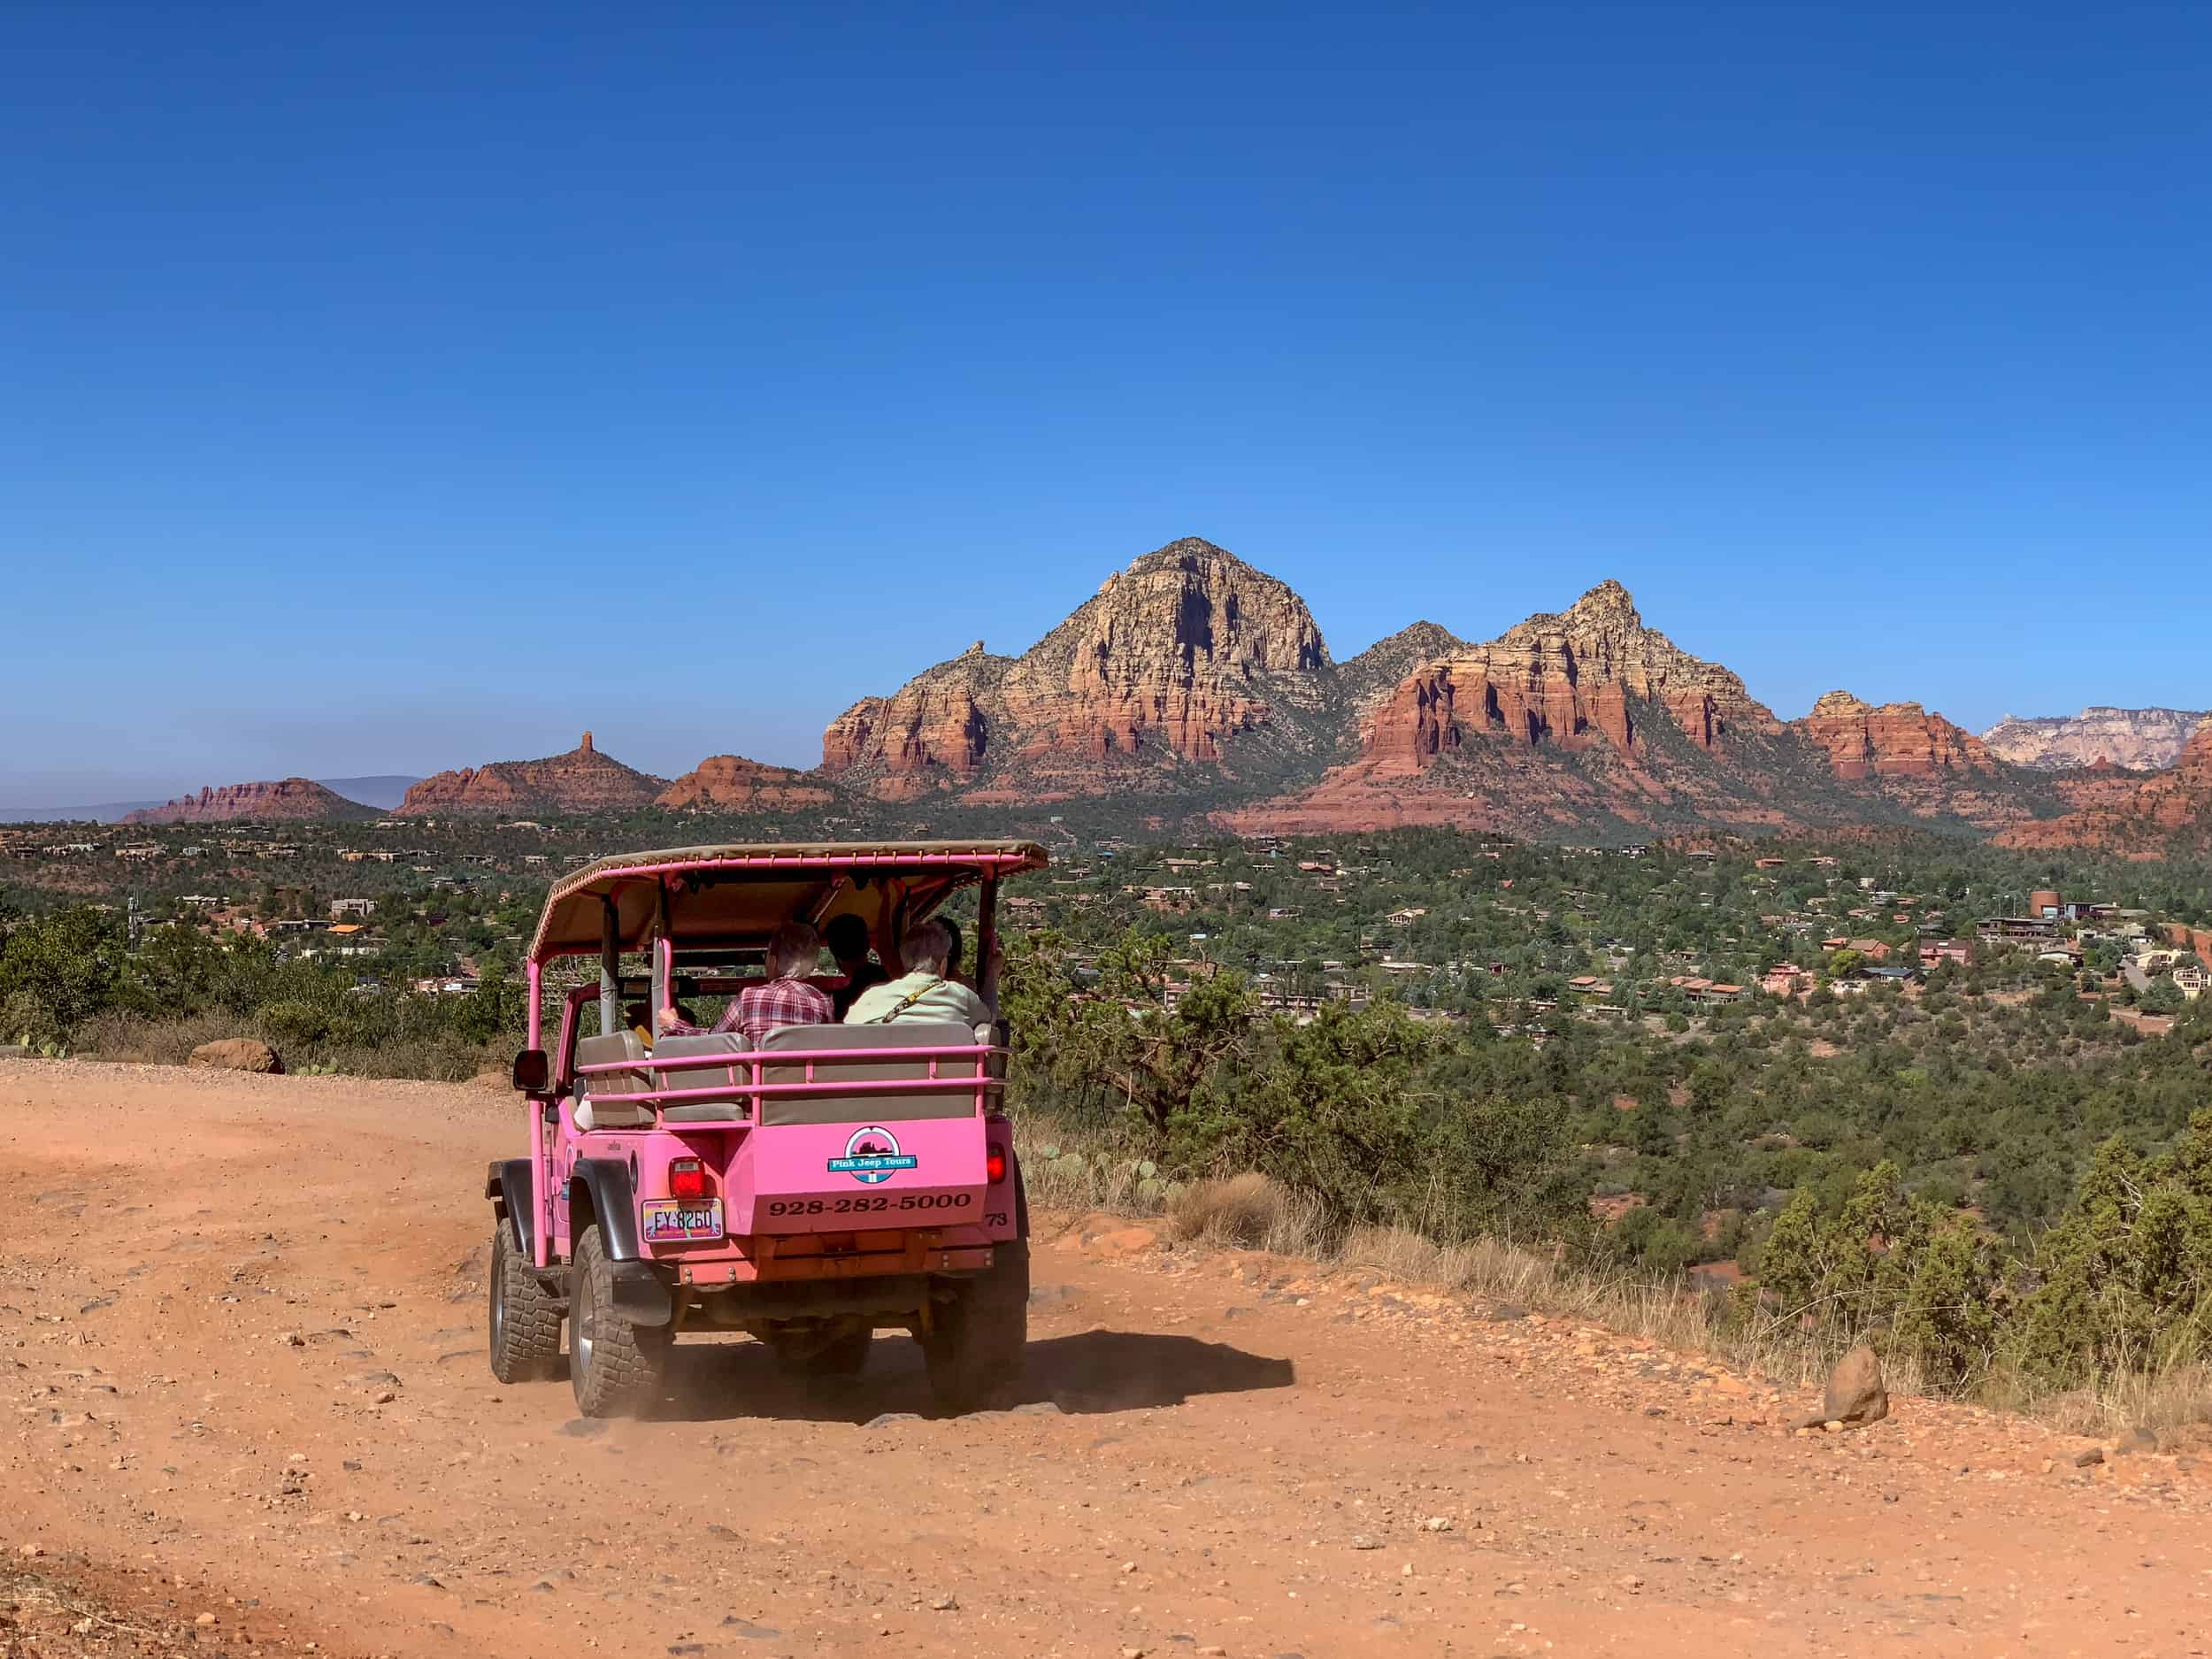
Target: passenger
847,937
783,998
925,992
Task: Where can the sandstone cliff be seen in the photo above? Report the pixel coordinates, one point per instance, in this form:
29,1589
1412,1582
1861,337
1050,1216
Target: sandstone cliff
581,781
2168,811
288,798
2143,739
1172,663
730,783
1897,740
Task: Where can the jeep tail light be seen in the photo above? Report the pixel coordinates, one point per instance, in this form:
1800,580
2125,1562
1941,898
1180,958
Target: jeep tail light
687,1181
995,1164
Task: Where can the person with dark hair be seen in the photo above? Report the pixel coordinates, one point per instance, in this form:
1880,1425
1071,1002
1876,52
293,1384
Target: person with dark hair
847,937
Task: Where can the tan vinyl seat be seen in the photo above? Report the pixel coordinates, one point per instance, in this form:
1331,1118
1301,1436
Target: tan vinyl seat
735,1109
614,1114
862,1107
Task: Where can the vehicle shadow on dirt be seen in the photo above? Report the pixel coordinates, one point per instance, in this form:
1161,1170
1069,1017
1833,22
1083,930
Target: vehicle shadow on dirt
1095,1372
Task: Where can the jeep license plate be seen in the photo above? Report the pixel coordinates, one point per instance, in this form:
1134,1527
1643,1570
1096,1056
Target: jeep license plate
671,1221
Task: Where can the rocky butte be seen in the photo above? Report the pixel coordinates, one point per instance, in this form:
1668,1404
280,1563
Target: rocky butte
581,781
1167,667
286,798
730,783
2142,739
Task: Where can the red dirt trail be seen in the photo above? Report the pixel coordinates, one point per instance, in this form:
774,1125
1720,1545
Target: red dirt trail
241,1332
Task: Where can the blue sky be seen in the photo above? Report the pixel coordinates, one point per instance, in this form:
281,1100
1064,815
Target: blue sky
410,387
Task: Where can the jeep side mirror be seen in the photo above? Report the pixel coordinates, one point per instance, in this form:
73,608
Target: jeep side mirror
533,1071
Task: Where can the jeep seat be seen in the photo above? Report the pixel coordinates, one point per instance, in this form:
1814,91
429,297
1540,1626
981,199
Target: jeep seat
864,1107
615,1114
735,1109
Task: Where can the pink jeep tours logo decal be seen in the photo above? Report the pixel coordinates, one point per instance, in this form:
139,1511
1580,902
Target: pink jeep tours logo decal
870,1154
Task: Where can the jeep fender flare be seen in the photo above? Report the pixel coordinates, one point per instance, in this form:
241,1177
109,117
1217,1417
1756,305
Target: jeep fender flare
513,1195
639,1295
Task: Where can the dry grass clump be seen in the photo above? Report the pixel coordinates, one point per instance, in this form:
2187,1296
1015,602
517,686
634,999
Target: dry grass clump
1250,1211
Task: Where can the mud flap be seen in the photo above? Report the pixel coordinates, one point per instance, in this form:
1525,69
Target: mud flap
639,1295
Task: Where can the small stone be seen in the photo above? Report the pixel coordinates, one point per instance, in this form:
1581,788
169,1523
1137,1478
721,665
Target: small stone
2089,1459
1365,1541
884,1419
1129,1566
1437,1524
1631,1582
205,1620
1833,1425
946,1604
31,1552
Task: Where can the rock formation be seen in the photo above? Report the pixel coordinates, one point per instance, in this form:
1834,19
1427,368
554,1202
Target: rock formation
582,780
1897,740
2142,739
1568,719
288,798
2167,811
1172,661
1592,674
730,783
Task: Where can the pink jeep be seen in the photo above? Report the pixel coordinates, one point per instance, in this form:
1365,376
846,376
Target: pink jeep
835,1178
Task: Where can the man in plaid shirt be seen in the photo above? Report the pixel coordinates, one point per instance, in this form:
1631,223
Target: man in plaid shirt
783,998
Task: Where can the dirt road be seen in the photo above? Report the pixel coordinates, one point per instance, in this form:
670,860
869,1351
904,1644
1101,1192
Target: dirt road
241,1330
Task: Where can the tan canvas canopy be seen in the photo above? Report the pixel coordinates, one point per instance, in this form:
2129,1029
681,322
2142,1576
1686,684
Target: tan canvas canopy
734,897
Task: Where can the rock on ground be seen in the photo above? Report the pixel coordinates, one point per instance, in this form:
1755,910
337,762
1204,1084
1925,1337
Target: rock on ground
1856,1393
239,1053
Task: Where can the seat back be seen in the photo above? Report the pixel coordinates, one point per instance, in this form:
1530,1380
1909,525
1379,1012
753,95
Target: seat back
614,1114
737,1109
867,1107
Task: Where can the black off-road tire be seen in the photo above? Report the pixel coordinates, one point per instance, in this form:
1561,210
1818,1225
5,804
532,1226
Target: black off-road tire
975,1350
524,1318
615,1367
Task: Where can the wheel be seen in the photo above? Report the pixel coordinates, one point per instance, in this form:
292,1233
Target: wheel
974,1349
526,1317
615,1367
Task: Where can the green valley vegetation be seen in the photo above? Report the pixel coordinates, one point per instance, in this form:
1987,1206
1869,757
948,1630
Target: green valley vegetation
1996,1160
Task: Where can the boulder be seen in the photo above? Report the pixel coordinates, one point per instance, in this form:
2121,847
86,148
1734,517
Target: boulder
1856,1396
239,1053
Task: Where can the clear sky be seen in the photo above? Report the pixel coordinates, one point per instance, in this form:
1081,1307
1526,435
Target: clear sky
398,386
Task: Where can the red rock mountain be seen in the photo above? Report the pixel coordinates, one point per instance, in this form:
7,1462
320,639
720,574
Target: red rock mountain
2168,811
730,783
1592,674
1172,662
582,780
1897,740
288,798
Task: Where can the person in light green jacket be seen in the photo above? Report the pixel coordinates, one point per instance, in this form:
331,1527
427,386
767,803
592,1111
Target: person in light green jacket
927,991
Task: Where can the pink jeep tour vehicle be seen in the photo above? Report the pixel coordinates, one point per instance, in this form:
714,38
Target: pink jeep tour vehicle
809,1189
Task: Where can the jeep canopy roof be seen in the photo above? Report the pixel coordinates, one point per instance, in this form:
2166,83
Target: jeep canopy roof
736,895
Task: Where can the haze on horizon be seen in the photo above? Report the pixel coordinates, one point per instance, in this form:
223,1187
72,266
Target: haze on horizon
419,389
